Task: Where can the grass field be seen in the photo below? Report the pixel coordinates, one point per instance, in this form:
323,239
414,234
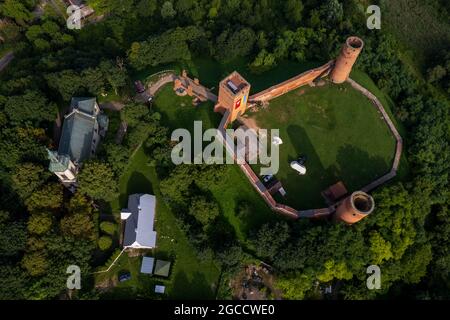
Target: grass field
335,126
340,132
189,277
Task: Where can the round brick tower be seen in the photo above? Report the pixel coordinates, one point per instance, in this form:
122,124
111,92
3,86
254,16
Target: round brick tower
347,57
354,208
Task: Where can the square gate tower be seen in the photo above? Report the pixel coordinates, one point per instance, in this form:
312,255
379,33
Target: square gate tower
233,95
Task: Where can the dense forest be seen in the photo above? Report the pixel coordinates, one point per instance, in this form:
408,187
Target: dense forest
44,228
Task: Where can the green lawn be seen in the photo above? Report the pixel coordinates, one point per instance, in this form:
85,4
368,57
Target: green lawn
178,112
340,132
364,80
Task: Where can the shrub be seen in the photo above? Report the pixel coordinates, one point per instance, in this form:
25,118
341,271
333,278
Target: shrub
104,243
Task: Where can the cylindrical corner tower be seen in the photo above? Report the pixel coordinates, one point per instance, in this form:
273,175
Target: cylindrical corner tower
347,57
354,208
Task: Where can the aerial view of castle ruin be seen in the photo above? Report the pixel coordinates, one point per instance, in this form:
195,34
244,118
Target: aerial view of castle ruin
224,155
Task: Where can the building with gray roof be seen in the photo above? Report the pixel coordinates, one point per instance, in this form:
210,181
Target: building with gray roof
139,218
162,268
147,265
82,128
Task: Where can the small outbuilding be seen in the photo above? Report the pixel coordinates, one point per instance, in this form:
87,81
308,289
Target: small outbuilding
147,265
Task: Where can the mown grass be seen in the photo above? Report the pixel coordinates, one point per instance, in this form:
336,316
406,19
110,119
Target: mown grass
337,128
422,29
190,277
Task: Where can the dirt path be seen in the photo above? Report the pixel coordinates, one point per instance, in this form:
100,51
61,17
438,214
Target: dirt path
399,142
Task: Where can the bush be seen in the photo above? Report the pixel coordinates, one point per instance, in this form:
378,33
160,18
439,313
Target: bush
108,227
104,243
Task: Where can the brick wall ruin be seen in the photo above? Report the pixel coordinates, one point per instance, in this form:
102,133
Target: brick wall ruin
292,84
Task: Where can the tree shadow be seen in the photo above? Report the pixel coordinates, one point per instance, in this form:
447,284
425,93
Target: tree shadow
137,183
357,168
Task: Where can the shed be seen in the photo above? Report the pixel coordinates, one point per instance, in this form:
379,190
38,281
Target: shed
162,268
147,265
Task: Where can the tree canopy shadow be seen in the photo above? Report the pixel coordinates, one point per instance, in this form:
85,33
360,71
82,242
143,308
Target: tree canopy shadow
197,288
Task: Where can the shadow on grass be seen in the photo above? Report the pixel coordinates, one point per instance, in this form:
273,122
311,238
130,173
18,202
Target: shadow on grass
196,288
355,167
250,215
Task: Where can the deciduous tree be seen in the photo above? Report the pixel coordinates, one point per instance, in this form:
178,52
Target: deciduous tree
96,180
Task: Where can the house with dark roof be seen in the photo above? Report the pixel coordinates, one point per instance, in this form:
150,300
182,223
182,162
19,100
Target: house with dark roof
139,219
82,128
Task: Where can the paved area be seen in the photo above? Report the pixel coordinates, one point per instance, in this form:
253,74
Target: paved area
121,132
200,90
